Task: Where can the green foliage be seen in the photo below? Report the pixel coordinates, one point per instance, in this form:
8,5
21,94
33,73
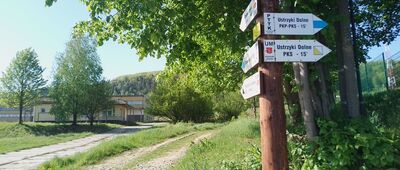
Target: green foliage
372,31
99,99
373,76
191,34
136,84
173,98
22,81
124,143
251,161
354,144
78,79
228,105
384,108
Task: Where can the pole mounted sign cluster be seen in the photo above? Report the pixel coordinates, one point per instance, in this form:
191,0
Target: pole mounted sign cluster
282,50
268,53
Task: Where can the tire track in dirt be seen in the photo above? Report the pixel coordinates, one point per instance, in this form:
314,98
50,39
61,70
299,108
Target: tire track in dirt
120,161
168,160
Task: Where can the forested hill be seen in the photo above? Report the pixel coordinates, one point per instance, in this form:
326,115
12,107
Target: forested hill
135,84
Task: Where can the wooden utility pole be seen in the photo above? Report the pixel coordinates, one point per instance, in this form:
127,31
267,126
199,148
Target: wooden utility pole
272,113
269,53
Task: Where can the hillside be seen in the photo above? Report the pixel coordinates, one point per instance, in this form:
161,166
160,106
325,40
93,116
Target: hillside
135,84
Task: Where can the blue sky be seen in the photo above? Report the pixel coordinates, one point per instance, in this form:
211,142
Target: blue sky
29,23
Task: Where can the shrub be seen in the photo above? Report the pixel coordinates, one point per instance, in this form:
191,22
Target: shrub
352,144
228,105
179,102
384,108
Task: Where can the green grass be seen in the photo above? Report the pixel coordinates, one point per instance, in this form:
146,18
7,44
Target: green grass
124,143
164,150
230,144
14,137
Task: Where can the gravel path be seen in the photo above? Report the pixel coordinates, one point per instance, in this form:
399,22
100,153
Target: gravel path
125,158
164,162
32,158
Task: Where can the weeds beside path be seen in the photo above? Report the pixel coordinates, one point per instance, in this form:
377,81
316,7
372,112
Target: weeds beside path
232,145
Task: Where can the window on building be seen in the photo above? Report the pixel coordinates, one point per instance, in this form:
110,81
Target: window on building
135,103
111,112
43,110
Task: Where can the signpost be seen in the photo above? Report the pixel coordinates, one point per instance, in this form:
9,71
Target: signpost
251,86
249,14
267,82
251,58
256,31
292,24
294,50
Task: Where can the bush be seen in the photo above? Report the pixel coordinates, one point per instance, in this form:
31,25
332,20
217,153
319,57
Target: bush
384,108
228,105
351,144
179,102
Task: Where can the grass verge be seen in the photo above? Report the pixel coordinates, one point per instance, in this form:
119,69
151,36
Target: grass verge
14,137
166,149
231,144
124,143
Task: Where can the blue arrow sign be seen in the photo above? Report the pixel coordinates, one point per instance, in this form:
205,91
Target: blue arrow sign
292,24
320,24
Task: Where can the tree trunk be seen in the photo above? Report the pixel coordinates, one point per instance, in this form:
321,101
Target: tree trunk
21,108
342,80
74,118
302,79
304,94
91,119
323,88
316,98
74,115
292,99
346,60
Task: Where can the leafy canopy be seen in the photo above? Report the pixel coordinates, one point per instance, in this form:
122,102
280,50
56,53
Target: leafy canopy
22,80
79,70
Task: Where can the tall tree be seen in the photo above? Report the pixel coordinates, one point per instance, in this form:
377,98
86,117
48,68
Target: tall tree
22,81
78,71
200,33
98,99
176,99
347,67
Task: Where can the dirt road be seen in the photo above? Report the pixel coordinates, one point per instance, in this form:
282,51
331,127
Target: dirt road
32,158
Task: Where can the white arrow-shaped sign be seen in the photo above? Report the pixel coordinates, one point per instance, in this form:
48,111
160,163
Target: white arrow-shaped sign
251,58
251,86
293,51
292,24
249,15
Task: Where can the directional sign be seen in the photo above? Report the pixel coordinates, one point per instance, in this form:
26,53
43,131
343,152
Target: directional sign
251,86
294,50
256,31
248,15
292,24
251,58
